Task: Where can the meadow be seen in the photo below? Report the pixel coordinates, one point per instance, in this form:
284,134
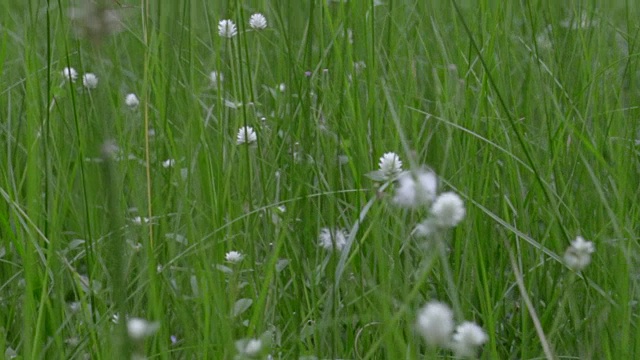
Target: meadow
361,179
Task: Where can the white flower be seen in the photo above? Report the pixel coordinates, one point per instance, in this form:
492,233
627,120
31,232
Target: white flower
70,73
234,256
258,21
427,227
131,100
448,210
246,135
467,339
253,347
90,80
248,348
227,29
140,220
282,87
168,163
390,165
216,78
139,329
578,255
435,323
332,239
415,188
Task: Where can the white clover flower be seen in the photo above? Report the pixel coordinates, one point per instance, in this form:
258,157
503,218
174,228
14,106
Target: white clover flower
168,163
467,339
216,78
139,329
578,255
233,257
90,80
253,347
246,135
227,29
426,228
70,74
332,239
435,323
131,100
248,348
390,165
258,21
448,210
415,188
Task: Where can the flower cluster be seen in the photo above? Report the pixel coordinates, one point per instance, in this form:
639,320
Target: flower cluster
436,325
228,29
419,189
415,189
89,80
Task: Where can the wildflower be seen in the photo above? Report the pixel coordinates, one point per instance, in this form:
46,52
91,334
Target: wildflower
233,257
249,348
258,21
415,188
390,165
467,339
168,163
90,80
435,323
253,347
70,74
427,227
332,239
227,29
448,210
282,87
216,78
139,329
131,100
578,255
246,135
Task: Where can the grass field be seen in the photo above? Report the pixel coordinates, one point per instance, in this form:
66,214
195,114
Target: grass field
233,207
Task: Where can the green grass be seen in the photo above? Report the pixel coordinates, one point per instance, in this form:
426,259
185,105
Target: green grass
533,121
